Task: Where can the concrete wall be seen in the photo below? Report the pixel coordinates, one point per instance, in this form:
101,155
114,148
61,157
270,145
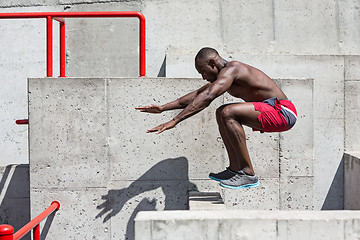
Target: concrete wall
289,40
280,225
89,151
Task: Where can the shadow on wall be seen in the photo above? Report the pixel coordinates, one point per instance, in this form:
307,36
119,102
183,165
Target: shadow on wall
15,196
335,197
170,175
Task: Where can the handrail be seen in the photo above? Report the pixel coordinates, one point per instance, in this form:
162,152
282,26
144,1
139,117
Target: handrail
59,16
6,231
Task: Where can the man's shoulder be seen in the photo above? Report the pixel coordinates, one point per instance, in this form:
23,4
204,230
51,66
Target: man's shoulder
237,68
237,65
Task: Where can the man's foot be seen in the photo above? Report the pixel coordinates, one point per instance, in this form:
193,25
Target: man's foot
224,175
241,180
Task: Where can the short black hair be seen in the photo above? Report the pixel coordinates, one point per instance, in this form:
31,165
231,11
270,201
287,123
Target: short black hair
205,52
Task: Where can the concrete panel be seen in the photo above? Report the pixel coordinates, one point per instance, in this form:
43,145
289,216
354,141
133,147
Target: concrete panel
68,121
306,27
352,68
313,229
112,43
297,145
349,33
129,141
264,197
247,27
352,115
26,3
296,193
351,180
247,225
172,24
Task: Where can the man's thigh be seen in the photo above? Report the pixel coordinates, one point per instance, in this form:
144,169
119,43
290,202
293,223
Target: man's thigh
244,113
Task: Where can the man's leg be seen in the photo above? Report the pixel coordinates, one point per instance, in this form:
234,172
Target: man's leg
230,119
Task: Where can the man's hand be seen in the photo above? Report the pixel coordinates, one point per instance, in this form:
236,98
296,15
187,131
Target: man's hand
163,127
150,109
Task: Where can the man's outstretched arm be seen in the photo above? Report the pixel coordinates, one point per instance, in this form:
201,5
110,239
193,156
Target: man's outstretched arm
201,101
180,103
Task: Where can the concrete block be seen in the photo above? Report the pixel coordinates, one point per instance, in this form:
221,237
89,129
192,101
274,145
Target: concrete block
352,229
352,68
265,197
296,193
311,229
77,217
179,30
195,229
349,33
351,179
68,125
298,28
148,149
254,37
250,224
352,113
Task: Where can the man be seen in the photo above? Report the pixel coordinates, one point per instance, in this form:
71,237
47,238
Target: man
266,109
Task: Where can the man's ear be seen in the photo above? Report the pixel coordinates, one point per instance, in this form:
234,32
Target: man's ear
212,63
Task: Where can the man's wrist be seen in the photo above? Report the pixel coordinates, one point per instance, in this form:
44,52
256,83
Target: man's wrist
176,120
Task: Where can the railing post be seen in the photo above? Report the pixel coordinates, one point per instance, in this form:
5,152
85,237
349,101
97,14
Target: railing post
62,49
142,49
49,50
36,232
6,232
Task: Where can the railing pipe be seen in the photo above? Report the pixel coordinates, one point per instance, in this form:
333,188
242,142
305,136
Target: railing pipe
49,49
7,231
36,232
22,121
62,49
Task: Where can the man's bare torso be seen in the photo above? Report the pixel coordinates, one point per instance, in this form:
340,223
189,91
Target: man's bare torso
251,84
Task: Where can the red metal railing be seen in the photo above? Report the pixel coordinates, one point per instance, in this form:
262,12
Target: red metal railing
7,231
59,16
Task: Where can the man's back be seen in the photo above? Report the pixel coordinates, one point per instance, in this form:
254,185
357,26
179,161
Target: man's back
251,84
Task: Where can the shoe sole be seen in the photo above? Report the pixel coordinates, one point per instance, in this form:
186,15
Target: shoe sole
251,185
216,179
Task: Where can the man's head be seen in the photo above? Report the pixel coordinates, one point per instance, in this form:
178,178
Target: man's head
207,62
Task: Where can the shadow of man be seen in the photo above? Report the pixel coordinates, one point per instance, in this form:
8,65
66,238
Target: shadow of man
169,175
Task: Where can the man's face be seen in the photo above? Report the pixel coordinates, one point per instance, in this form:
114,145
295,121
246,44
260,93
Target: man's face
207,69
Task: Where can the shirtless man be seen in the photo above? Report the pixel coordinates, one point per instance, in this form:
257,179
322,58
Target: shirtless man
266,109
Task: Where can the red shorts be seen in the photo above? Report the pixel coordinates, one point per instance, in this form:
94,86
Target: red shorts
276,115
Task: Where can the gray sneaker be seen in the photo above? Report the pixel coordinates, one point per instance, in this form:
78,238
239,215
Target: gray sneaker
241,180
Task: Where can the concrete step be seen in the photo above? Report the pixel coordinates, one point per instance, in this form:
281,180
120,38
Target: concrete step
205,201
